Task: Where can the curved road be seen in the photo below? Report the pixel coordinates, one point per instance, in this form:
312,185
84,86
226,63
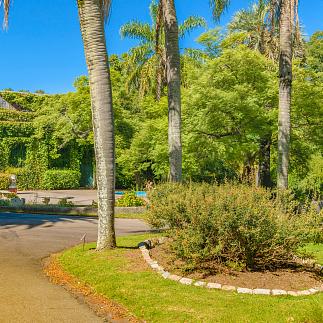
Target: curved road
25,293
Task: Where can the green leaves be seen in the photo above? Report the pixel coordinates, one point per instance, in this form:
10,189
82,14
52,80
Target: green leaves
218,7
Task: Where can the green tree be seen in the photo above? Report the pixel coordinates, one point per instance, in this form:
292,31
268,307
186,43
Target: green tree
225,114
92,14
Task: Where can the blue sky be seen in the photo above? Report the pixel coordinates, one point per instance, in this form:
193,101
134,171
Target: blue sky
43,49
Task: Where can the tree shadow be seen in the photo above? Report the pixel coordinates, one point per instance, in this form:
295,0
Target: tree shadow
29,221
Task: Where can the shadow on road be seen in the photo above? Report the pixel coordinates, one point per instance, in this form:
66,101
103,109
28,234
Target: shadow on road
29,221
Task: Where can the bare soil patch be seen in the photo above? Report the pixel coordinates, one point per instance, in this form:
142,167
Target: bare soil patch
297,278
135,263
109,310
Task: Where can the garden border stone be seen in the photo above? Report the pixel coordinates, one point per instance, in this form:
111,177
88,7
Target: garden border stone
148,244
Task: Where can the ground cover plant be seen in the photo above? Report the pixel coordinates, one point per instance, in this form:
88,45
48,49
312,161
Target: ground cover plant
232,225
122,276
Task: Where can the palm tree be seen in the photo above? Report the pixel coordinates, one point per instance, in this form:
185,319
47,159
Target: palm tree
289,38
149,57
6,6
173,70
252,23
286,11
92,14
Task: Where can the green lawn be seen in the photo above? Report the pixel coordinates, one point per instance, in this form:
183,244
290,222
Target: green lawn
150,297
316,250
142,216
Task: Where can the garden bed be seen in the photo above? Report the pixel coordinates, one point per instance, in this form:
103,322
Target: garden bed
291,279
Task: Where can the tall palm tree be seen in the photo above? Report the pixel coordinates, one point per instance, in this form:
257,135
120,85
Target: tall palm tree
147,61
92,14
173,70
289,38
286,12
285,91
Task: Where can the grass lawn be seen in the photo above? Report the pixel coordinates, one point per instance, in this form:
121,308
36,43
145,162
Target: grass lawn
124,278
316,250
142,216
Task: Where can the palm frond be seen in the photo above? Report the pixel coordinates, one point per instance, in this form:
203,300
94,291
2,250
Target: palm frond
106,5
153,8
218,7
6,6
191,23
137,30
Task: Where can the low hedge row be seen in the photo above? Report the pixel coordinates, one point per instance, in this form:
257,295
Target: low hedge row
53,179
58,179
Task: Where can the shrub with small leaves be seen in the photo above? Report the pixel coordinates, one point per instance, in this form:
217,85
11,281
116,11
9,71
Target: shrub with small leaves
234,225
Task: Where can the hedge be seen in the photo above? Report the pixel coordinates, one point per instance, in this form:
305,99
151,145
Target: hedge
4,181
58,179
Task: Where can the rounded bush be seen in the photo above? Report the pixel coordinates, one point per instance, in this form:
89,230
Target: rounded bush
234,225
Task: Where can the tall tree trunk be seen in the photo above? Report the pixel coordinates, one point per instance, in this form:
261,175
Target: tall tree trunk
285,87
263,176
91,14
173,67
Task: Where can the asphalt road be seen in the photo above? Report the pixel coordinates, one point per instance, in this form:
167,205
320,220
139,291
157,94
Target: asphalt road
26,295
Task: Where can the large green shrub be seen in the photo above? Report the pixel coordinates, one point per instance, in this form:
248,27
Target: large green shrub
58,179
234,225
4,181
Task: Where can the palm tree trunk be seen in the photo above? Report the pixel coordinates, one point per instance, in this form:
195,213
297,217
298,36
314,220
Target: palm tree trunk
174,89
263,176
92,28
285,87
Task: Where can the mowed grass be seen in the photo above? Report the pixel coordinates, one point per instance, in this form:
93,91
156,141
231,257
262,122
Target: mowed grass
142,216
118,276
316,250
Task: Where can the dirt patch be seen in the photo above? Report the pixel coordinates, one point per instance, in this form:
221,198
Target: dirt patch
135,263
109,310
297,278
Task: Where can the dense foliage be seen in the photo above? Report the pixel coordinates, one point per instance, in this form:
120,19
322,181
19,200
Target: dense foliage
230,104
61,179
234,225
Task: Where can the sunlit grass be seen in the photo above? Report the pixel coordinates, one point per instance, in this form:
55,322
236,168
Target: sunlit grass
150,297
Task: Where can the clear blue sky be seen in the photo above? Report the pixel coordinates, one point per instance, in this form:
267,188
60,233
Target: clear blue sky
43,50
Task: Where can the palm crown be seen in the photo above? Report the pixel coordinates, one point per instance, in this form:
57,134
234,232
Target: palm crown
148,58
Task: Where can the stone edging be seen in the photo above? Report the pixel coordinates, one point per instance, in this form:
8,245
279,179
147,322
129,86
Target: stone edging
148,244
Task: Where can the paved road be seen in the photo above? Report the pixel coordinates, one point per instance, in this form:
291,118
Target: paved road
25,294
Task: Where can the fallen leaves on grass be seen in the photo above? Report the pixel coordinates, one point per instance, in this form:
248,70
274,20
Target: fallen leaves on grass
102,306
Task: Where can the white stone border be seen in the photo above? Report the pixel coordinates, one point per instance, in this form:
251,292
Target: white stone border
148,244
